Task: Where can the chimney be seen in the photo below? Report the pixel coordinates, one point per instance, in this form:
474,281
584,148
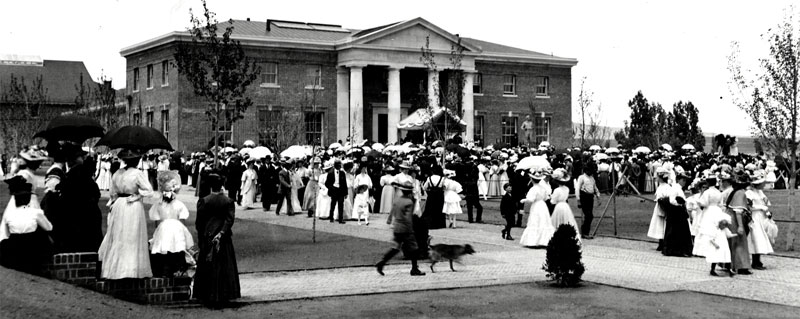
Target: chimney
248,19
268,24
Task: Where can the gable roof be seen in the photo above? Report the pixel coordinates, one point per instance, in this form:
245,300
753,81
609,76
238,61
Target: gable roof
60,78
334,37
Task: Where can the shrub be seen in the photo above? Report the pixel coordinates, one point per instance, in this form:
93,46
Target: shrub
563,261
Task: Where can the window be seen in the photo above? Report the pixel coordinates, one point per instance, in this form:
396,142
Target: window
165,122
314,75
137,119
165,73
269,73
313,123
135,79
149,119
477,81
268,124
510,84
225,127
541,127
149,76
542,83
478,129
509,130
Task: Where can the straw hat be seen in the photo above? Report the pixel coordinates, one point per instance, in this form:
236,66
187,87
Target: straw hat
32,155
758,177
405,165
740,176
561,175
406,186
130,154
537,173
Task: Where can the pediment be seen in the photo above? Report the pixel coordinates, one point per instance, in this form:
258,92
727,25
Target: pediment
411,35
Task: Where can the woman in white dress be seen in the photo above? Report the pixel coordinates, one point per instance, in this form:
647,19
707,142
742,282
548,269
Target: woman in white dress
658,223
348,200
387,193
323,200
104,173
249,185
124,252
483,184
562,213
710,202
494,180
540,228
502,176
771,177
757,240
452,199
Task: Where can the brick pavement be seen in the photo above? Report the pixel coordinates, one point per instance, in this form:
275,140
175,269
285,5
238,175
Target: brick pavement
608,261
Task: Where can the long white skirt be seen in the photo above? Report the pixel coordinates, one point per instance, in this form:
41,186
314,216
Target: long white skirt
171,236
658,224
758,241
540,228
124,252
562,214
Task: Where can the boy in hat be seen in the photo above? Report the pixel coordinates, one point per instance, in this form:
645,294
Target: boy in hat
508,209
401,220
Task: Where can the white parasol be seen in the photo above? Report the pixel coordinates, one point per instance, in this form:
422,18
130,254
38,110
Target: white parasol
259,152
687,147
533,162
642,150
595,148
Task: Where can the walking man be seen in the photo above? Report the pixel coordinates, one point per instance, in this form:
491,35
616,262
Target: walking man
401,220
284,189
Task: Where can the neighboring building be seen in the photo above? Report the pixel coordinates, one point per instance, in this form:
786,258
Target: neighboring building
342,83
59,80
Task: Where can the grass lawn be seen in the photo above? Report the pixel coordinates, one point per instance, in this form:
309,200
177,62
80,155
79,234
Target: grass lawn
265,247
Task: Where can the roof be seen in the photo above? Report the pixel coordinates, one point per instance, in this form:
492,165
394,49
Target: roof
330,37
60,78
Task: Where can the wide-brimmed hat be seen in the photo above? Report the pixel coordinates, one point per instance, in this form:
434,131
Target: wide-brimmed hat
662,171
537,173
561,175
18,185
406,186
131,154
32,155
405,165
758,177
449,172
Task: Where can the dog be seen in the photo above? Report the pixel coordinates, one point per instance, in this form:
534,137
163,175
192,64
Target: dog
440,252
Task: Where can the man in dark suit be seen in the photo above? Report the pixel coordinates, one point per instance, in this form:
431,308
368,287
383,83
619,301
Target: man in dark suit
233,180
468,174
337,189
284,189
268,176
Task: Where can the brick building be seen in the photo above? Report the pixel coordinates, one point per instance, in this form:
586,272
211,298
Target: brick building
321,83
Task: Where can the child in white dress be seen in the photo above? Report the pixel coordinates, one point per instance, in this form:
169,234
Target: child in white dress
171,238
452,199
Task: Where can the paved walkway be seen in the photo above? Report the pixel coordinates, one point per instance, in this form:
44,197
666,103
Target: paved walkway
608,261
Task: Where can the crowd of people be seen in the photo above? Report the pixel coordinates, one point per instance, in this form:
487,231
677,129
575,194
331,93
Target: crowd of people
724,218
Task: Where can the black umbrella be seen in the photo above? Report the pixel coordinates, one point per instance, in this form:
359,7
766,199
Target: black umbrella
135,137
74,128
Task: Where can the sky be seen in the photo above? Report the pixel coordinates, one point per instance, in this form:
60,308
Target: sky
670,50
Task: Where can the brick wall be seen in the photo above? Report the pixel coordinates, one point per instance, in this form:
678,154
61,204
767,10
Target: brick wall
82,269
493,105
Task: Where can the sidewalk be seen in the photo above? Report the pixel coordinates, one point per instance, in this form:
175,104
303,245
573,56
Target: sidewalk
608,261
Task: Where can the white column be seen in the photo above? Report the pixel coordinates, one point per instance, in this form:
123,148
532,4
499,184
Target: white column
356,127
433,88
393,104
342,103
468,107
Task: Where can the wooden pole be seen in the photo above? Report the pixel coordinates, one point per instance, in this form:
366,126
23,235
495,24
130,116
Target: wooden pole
614,199
790,235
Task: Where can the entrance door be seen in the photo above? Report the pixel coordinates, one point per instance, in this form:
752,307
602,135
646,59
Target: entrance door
383,125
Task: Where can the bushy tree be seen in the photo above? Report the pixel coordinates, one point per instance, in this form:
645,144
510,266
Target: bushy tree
563,260
770,97
650,125
643,128
684,128
24,111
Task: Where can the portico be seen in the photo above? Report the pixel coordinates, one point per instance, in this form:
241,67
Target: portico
395,50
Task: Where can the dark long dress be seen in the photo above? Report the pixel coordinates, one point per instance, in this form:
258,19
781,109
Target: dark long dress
217,276
677,237
740,254
52,207
433,215
77,220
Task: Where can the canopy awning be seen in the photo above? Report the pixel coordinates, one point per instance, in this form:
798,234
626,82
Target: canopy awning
422,117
